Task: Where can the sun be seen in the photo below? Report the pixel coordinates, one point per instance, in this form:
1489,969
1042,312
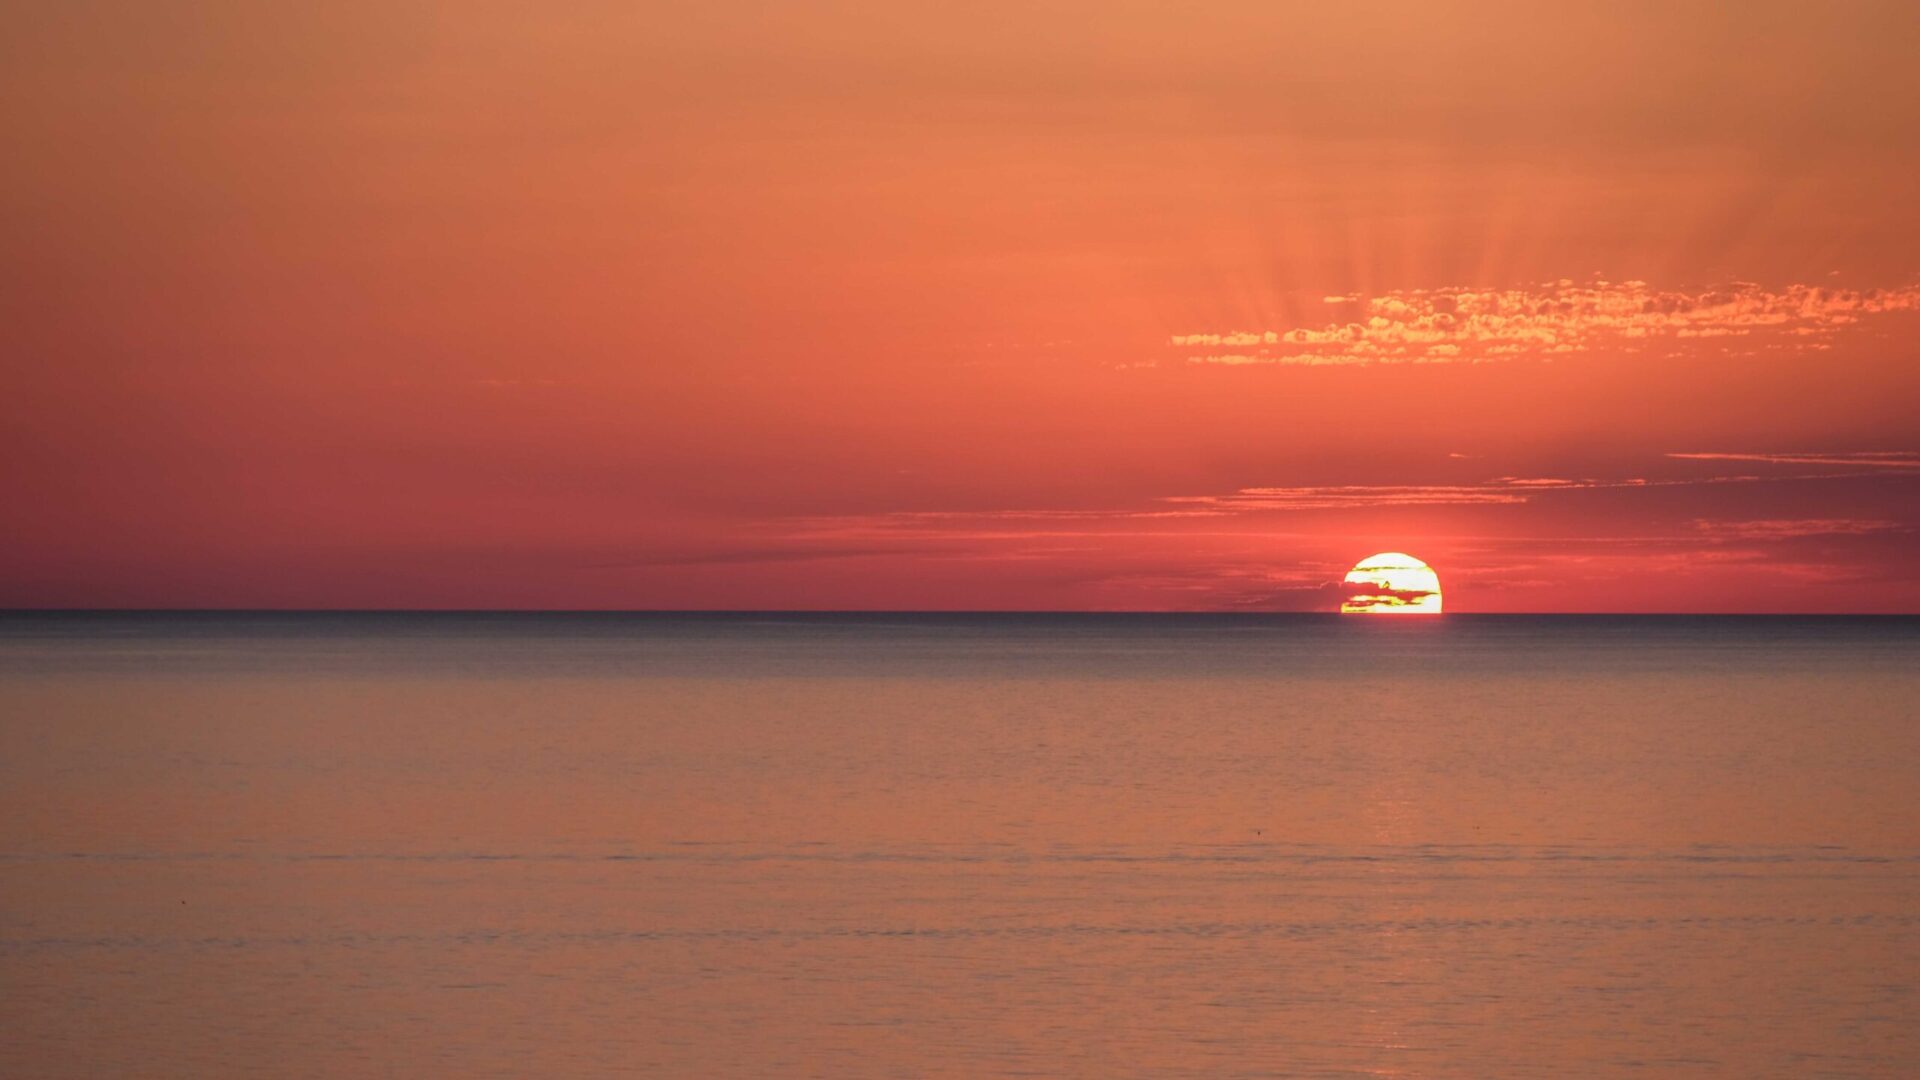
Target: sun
1391,583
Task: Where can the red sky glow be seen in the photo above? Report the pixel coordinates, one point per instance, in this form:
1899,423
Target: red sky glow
742,305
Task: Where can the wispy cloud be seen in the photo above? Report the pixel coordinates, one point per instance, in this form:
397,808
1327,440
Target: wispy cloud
1343,496
1430,326
1793,528
1504,490
1178,511
1877,459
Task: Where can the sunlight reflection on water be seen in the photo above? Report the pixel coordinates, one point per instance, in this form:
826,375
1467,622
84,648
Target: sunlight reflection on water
963,846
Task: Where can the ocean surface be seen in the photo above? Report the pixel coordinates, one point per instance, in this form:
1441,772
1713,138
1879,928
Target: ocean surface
958,846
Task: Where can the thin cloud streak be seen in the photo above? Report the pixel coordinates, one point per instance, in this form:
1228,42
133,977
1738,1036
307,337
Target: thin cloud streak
1498,491
1794,528
1893,459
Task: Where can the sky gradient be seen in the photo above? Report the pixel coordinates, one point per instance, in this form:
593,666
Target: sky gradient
1592,307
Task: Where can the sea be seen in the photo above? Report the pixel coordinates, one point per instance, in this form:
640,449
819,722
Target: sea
929,845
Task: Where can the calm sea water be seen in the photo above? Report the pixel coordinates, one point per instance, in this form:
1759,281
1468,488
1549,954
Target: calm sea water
739,846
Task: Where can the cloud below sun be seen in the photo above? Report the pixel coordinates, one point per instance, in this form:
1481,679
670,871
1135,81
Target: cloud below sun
1505,542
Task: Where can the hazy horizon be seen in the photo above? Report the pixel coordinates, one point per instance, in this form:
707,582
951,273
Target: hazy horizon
856,612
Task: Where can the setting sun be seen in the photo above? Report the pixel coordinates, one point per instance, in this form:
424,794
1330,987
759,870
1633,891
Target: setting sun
1391,583
747,538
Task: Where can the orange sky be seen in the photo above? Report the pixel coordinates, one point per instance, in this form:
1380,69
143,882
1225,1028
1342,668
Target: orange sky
1608,306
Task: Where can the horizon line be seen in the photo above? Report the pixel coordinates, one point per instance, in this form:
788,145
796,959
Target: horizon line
860,612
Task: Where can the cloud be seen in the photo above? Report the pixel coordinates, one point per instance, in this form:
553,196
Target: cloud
1374,594
1503,490
1434,326
1793,528
1176,511
1330,497
1874,459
